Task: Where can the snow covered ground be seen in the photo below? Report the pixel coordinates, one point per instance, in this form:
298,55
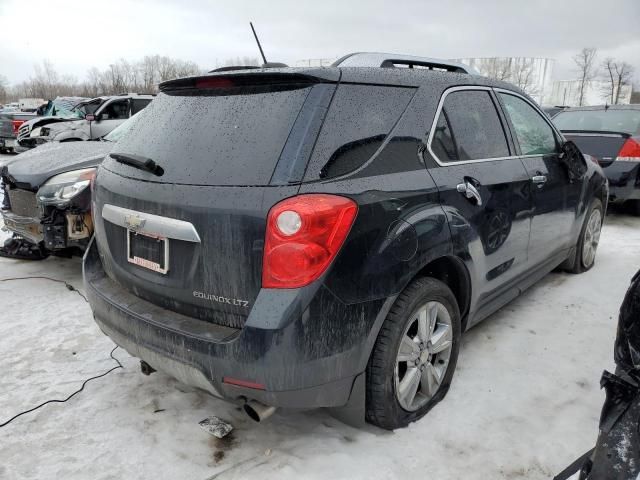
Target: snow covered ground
524,403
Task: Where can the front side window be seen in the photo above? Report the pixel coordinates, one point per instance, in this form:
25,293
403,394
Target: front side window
469,128
118,110
534,134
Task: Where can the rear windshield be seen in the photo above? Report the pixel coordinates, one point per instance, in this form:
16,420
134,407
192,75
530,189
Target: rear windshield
626,121
233,139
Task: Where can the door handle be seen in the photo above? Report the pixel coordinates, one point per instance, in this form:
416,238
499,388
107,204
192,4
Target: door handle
470,192
539,180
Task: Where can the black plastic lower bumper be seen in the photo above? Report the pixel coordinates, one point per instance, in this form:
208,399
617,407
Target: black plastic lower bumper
289,369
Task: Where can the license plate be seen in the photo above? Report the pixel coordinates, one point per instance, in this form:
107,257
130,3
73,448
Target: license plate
8,143
148,251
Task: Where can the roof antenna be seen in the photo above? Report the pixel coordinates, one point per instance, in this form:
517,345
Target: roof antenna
258,42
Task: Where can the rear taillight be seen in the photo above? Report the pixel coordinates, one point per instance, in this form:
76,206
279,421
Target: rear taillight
630,151
16,125
304,234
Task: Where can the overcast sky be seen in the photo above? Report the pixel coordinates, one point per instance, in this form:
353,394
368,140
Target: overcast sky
78,34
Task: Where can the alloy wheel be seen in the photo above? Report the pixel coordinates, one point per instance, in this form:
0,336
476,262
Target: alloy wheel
591,238
423,355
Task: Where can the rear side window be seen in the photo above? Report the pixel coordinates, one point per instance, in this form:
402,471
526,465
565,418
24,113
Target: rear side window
358,121
469,128
230,138
534,134
442,143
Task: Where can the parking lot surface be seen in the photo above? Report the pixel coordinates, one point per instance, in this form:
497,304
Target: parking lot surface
524,403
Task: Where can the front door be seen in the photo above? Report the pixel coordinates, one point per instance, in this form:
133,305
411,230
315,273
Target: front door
484,190
110,116
555,199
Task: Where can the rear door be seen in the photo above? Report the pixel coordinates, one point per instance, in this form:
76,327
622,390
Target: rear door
484,190
555,199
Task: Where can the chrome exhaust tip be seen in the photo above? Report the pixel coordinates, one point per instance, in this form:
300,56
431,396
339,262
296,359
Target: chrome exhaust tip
257,411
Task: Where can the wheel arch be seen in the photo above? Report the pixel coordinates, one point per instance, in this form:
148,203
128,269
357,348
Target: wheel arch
451,271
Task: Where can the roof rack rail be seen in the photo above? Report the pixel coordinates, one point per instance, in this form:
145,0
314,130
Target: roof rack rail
393,60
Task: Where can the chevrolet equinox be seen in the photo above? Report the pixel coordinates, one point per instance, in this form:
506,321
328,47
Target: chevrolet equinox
308,238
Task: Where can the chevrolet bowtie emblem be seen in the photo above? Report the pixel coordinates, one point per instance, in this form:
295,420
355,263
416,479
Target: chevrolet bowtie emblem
134,222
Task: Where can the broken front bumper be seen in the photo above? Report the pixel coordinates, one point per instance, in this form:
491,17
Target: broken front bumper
28,227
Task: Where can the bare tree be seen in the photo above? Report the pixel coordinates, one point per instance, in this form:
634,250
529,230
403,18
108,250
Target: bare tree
3,89
523,76
585,60
244,61
618,74
495,67
121,76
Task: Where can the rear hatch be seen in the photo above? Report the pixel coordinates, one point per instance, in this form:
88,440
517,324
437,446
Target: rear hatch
229,147
599,132
220,142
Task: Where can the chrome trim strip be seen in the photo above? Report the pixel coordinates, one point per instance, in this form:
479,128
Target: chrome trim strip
151,224
603,134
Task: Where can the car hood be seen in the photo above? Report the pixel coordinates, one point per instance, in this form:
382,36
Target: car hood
36,166
40,121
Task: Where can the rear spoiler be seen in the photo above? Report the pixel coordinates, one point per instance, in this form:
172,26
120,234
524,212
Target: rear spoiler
596,133
249,79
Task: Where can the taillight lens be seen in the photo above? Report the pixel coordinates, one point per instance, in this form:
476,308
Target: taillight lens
304,234
16,125
630,151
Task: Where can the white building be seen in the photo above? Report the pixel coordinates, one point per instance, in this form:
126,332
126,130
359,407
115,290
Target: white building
596,92
531,74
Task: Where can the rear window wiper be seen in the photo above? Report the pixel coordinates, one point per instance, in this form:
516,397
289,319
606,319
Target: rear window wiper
139,162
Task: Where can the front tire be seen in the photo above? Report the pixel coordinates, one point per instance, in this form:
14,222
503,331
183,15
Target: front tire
589,239
414,357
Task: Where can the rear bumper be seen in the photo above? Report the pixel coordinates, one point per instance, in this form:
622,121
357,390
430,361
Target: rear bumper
297,366
624,181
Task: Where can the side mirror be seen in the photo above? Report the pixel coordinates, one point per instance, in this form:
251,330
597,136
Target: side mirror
571,157
89,117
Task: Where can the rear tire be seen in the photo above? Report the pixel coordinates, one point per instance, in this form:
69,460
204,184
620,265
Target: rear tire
589,238
425,322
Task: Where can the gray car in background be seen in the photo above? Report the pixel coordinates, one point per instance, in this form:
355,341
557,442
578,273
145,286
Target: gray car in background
47,196
88,120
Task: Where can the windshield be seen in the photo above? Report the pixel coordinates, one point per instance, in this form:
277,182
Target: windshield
627,121
123,128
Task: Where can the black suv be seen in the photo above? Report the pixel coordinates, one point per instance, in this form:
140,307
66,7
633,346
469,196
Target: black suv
309,238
